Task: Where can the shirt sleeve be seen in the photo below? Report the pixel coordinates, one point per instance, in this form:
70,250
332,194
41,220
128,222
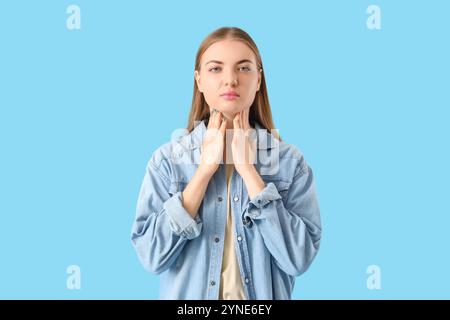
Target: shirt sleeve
162,225
292,229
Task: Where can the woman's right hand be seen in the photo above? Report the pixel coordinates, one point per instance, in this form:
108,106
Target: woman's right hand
213,143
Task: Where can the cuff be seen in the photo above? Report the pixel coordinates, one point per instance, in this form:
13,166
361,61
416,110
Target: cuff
180,221
263,198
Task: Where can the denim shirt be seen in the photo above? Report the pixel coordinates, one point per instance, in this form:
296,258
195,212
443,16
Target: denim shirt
277,233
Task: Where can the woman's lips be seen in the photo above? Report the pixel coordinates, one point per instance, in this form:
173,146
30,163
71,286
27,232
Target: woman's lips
229,96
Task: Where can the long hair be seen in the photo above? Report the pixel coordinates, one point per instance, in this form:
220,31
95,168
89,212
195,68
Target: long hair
260,109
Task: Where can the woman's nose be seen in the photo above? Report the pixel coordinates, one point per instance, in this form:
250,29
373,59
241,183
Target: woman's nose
231,79
233,83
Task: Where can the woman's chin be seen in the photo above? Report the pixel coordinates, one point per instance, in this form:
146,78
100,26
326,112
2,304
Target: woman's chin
231,110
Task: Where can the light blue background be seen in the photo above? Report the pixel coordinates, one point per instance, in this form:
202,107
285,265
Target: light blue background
82,111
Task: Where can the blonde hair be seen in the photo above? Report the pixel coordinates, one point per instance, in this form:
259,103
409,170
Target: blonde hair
260,109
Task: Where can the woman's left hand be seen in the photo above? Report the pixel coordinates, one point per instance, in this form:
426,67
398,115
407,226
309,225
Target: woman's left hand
243,145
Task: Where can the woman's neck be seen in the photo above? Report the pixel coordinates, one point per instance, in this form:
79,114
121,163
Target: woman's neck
229,124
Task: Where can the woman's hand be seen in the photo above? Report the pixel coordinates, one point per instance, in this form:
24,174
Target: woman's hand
213,143
244,154
243,145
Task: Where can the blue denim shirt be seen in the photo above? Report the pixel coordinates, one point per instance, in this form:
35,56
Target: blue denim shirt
277,233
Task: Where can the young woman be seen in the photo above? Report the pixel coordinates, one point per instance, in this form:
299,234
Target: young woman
229,210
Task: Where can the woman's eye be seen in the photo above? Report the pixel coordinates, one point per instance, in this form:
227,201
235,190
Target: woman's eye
244,68
214,69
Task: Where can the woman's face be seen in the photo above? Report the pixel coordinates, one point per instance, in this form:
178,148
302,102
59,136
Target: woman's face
229,77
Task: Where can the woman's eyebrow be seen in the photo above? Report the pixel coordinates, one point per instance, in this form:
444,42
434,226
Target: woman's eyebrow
220,62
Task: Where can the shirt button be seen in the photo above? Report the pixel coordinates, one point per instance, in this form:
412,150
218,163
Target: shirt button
259,200
236,198
216,239
212,283
239,238
220,199
247,280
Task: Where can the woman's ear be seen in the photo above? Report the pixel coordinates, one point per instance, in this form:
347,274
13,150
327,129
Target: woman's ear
259,79
197,79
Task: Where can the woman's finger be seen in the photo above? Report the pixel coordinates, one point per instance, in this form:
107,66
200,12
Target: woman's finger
236,121
245,119
211,118
240,120
223,127
218,119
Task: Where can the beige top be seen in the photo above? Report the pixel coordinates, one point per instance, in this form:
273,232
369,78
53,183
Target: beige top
231,287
